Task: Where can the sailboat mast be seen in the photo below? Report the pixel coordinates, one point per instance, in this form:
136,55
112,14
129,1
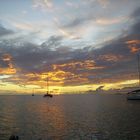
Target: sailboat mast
47,84
139,67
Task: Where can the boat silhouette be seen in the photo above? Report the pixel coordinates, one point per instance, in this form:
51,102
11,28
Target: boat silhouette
48,94
33,93
134,95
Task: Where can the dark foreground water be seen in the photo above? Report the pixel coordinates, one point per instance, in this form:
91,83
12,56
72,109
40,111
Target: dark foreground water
70,117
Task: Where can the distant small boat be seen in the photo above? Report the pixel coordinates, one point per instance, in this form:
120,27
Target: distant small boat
134,95
33,93
48,94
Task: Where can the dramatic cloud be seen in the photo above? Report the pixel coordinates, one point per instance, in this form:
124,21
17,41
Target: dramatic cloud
72,43
6,65
113,62
136,13
4,31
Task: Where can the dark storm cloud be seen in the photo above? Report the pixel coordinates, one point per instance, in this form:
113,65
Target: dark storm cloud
115,57
4,31
3,64
32,58
135,31
53,42
123,63
136,13
118,47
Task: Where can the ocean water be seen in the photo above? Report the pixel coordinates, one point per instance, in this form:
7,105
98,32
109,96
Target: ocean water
70,117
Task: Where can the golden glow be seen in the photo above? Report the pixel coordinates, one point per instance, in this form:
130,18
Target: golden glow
120,85
28,89
87,64
62,78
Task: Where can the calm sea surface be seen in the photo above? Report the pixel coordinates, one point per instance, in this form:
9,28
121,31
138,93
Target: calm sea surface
70,117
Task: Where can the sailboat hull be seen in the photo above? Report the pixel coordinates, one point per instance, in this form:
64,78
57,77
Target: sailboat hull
133,97
48,95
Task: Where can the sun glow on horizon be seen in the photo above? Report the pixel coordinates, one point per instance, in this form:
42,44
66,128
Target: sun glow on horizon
56,90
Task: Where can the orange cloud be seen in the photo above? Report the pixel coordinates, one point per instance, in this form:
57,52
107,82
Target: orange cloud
61,74
133,45
56,78
7,70
7,58
87,64
111,57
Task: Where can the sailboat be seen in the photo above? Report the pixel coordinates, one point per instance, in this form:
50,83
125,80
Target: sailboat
33,93
48,94
135,94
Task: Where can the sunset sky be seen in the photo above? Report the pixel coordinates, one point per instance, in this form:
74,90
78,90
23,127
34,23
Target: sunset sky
79,45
